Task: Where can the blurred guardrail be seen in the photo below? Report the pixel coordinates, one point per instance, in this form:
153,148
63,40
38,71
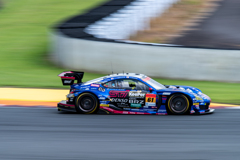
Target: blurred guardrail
90,42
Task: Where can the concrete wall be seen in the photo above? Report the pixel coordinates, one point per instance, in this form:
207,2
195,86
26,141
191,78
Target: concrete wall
156,61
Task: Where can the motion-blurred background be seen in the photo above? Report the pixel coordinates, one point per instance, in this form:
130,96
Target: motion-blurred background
29,43
179,42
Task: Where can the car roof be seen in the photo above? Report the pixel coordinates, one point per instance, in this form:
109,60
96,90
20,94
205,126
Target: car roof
130,75
115,77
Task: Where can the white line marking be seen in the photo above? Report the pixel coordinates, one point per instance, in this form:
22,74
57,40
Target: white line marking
238,107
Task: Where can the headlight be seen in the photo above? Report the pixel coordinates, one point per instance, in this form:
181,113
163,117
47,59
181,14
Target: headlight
198,98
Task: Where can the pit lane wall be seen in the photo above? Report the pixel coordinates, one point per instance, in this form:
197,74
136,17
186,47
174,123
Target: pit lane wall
151,59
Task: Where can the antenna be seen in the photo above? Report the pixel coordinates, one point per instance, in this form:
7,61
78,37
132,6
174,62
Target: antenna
112,67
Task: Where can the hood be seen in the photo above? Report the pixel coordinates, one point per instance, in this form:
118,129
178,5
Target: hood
193,92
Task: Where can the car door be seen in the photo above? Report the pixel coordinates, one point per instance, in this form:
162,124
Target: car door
130,94
140,96
117,95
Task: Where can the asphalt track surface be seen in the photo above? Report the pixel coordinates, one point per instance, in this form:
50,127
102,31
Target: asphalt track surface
45,134
220,30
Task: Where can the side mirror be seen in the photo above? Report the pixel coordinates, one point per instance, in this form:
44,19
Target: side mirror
150,89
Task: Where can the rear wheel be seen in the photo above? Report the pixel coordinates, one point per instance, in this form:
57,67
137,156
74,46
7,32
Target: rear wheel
178,104
86,103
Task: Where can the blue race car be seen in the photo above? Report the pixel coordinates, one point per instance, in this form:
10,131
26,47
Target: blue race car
130,93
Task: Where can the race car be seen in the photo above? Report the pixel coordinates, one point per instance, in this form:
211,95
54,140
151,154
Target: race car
130,93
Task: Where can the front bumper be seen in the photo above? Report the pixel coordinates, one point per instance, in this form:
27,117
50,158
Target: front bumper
208,111
63,106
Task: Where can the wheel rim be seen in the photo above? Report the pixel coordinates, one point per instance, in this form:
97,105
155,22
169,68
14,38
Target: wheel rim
87,104
178,104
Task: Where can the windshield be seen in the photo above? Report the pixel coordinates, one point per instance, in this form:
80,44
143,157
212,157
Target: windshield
154,83
93,81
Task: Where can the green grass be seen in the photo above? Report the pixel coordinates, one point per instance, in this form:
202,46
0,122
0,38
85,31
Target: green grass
24,28
24,39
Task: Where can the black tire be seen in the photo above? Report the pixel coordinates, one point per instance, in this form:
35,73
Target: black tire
178,104
86,103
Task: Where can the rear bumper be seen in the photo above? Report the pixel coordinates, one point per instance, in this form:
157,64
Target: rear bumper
63,106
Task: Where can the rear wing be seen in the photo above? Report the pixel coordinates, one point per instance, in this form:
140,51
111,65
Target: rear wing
69,77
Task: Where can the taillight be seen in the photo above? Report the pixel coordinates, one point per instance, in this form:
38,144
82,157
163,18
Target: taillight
72,90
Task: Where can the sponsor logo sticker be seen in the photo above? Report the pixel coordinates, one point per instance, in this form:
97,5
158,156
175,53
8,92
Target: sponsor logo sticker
101,89
135,105
104,105
166,93
119,100
67,81
136,94
119,94
150,104
150,100
95,85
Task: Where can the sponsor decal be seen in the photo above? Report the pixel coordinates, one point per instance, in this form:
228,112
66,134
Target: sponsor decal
146,79
153,107
166,93
119,100
101,89
150,104
135,105
164,99
103,102
122,105
95,85
104,105
136,94
118,94
134,109
67,81
102,98
136,101
195,104
162,111
150,99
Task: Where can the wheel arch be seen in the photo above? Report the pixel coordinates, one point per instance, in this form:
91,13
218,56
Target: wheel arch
188,97
90,93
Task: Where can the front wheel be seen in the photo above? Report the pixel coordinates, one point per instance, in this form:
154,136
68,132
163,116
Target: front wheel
178,104
86,103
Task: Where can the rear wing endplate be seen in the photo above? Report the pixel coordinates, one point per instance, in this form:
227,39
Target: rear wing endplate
69,77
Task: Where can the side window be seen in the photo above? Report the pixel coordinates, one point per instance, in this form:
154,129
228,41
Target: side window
129,84
117,84
134,84
142,86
